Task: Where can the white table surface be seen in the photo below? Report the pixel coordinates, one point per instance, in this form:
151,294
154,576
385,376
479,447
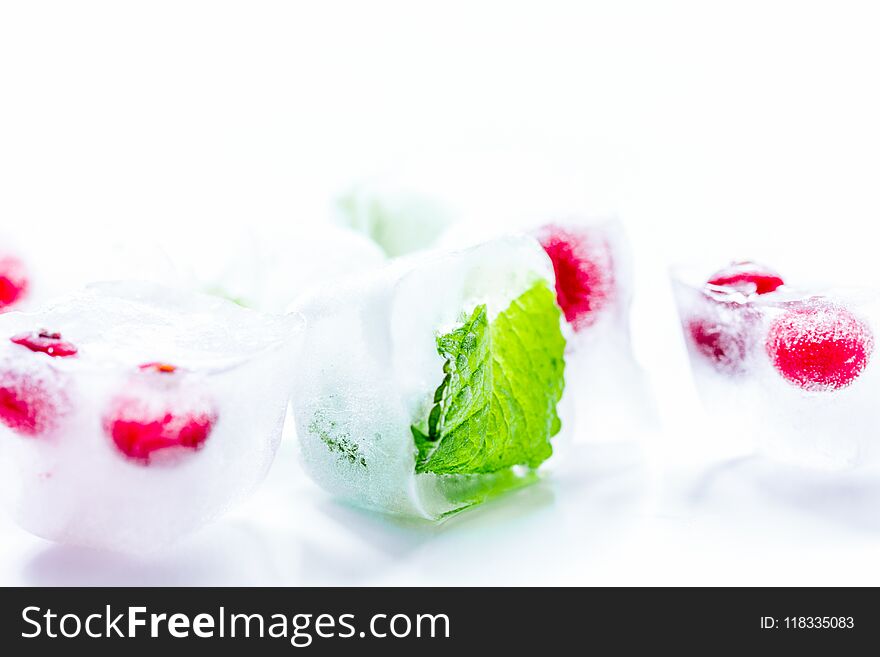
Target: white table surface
607,517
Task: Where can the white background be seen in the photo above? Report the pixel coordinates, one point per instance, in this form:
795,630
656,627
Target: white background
715,130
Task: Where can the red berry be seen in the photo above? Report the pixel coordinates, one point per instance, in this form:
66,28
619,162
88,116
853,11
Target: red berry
13,281
27,404
157,418
722,332
46,342
819,346
747,278
584,270
159,368
723,345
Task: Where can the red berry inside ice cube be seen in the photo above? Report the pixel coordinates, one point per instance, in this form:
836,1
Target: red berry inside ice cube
46,342
155,419
747,278
13,281
584,272
722,345
27,404
819,346
139,431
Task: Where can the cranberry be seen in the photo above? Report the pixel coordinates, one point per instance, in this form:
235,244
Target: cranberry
27,404
149,420
723,345
747,277
46,342
584,270
159,368
722,332
14,281
818,345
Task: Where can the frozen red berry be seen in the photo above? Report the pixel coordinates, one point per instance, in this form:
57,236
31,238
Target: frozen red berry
47,342
156,418
14,281
29,404
722,333
159,368
747,277
584,271
139,431
819,346
722,345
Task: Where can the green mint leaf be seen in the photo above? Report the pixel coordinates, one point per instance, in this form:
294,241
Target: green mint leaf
496,406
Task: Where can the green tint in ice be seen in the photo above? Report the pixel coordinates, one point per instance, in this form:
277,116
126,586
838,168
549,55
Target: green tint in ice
496,406
399,223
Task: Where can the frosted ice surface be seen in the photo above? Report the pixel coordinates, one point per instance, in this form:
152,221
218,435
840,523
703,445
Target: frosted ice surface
55,269
100,451
415,205
268,267
791,372
260,266
370,368
395,215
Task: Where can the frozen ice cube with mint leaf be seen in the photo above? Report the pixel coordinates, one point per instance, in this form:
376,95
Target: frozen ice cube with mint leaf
454,204
432,385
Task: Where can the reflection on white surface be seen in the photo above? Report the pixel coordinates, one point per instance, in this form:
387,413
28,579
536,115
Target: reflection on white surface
850,499
605,518
291,533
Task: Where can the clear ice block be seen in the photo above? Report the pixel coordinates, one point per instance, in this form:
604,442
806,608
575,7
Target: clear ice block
268,267
791,371
132,413
371,371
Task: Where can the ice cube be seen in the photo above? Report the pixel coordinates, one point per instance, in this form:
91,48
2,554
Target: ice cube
610,395
788,370
132,413
268,267
261,266
372,371
395,214
54,269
